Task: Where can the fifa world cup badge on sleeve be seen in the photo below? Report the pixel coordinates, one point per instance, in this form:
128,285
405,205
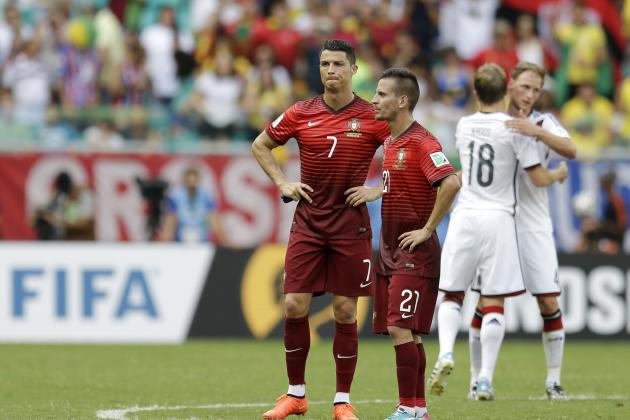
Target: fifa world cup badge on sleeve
439,159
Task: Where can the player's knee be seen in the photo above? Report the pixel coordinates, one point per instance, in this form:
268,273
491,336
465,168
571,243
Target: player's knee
295,308
457,297
547,304
345,312
399,335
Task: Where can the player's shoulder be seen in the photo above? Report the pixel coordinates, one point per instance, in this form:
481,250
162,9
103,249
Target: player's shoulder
420,133
544,118
311,105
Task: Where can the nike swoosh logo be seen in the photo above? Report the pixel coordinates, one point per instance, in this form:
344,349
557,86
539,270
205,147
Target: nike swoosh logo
405,316
345,357
312,123
292,350
364,285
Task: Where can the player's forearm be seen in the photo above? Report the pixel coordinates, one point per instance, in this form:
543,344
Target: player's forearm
561,145
268,163
446,194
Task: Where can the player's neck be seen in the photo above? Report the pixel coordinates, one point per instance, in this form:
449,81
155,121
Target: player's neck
337,100
498,106
400,124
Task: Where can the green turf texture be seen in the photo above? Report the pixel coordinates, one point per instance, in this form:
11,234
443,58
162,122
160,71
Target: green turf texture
75,381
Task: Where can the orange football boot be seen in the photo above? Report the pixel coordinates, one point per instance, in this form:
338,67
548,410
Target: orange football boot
285,406
344,412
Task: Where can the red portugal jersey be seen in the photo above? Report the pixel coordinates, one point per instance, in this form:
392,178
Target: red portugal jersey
336,149
412,166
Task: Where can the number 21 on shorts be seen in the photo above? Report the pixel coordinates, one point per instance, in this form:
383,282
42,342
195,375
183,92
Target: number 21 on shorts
405,305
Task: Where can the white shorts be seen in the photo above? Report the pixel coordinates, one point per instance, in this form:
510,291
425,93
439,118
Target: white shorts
480,251
539,262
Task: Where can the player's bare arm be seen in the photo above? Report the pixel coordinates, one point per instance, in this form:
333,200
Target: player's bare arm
561,145
356,196
447,191
261,148
542,177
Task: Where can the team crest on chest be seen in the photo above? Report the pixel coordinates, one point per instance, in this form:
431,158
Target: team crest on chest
354,127
400,159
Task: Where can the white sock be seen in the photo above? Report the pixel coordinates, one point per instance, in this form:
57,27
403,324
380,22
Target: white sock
420,411
492,332
408,410
449,318
342,397
474,343
297,390
553,343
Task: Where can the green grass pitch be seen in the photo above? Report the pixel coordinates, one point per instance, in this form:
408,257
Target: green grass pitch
239,379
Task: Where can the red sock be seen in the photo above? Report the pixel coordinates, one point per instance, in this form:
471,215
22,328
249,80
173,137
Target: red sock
297,341
552,322
407,372
422,364
345,352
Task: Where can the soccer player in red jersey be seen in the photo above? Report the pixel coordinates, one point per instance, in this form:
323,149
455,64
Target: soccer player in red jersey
330,242
419,186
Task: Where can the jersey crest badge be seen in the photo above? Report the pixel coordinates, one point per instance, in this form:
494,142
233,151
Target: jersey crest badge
439,159
400,159
354,127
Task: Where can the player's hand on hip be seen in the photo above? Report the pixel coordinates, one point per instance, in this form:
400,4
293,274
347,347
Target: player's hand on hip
359,195
296,191
413,238
522,124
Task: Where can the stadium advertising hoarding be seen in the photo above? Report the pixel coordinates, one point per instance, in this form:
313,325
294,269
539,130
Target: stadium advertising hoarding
244,292
249,204
101,293
164,293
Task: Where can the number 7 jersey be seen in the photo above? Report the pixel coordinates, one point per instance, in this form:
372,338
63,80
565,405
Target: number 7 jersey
336,149
490,155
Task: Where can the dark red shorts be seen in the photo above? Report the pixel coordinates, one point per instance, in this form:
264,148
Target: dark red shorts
338,266
404,301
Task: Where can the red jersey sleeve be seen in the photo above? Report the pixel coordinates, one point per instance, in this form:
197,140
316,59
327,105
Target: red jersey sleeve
382,132
433,161
284,127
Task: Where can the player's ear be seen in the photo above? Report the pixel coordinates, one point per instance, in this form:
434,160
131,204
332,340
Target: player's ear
354,69
403,102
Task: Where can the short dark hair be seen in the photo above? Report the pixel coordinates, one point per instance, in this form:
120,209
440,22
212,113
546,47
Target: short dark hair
490,83
339,45
406,84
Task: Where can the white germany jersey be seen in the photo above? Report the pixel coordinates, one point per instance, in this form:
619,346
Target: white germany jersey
490,154
532,213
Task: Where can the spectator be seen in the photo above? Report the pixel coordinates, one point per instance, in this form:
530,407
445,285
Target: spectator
69,215
191,215
453,78
584,45
604,228
216,97
501,52
472,27
623,112
29,80
587,117
529,48
277,32
160,42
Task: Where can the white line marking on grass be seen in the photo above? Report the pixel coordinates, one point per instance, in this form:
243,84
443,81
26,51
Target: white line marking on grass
583,397
120,413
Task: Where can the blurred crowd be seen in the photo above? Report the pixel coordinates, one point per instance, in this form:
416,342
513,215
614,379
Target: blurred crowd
102,72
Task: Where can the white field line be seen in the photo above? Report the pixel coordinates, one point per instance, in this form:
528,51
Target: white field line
120,413
583,397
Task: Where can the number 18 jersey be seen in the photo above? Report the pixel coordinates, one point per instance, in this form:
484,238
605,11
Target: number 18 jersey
490,155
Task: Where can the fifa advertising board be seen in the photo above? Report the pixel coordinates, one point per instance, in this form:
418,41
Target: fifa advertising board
100,293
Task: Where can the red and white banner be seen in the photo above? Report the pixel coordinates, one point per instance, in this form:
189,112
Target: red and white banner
249,204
